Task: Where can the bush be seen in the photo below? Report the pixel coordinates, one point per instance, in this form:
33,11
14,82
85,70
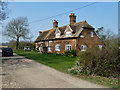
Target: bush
98,62
70,53
74,52
67,53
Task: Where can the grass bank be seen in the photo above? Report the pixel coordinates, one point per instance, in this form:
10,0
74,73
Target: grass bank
63,63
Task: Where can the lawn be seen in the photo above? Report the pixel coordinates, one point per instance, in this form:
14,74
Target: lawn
58,62
63,63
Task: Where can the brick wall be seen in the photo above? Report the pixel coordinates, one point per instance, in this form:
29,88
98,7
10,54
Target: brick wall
62,44
89,41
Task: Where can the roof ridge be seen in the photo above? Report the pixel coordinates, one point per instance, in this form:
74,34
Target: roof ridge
63,26
47,30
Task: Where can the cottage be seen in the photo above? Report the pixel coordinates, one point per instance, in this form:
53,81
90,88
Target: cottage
74,36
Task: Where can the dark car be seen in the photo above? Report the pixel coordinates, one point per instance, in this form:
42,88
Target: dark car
7,52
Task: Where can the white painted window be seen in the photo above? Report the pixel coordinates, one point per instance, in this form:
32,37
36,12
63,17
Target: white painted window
92,34
50,41
83,47
50,49
57,48
68,34
57,35
100,46
81,36
68,47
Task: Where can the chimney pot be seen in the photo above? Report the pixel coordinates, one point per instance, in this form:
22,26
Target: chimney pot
55,24
40,33
72,18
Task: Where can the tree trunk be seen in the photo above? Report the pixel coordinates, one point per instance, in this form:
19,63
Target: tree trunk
17,43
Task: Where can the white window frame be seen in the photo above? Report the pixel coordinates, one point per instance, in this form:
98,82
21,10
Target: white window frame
68,47
100,47
83,47
57,47
92,34
50,48
50,41
57,35
68,34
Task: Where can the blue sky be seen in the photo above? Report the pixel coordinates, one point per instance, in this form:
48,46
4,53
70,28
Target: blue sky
99,14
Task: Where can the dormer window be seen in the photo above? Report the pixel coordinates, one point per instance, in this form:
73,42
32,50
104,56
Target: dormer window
57,35
68,31
68,34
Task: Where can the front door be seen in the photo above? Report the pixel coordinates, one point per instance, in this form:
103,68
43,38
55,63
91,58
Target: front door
44,49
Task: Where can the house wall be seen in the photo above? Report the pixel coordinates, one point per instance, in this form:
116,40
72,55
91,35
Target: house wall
62,44
89,41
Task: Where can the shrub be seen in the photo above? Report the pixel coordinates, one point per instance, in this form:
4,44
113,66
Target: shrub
67,53
70,53
98,62
74,52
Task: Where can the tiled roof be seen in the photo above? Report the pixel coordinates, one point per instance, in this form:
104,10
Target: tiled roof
77,29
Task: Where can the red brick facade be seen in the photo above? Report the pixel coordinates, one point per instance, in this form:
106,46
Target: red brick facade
76,43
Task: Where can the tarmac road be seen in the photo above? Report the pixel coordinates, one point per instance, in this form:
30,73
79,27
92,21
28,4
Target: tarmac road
19,72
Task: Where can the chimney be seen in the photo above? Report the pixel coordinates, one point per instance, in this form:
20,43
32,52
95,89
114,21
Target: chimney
40,33
72,19
55,24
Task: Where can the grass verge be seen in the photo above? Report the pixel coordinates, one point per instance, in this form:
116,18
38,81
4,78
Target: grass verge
59,62
63,63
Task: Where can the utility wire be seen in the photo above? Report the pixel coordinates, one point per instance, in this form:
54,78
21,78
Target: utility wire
64,13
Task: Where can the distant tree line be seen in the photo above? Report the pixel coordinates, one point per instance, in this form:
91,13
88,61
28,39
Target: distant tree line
22,44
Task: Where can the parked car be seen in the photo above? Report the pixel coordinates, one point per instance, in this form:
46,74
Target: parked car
27,48
7,52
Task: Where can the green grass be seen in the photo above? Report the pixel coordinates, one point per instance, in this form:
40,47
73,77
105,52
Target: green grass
59,62
63,63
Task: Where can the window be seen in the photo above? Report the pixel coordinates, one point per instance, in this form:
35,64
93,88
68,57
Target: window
100,46
57,48
83,47
81,36
50,41
68,34
45,41
68,47
91,34
57,35
50,49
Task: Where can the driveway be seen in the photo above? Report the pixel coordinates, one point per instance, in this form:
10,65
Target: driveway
19,72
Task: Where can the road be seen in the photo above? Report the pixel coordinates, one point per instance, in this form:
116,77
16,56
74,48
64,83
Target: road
19,72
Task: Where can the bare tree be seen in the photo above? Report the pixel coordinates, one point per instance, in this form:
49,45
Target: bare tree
17,28
104,34
3,16
3,10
